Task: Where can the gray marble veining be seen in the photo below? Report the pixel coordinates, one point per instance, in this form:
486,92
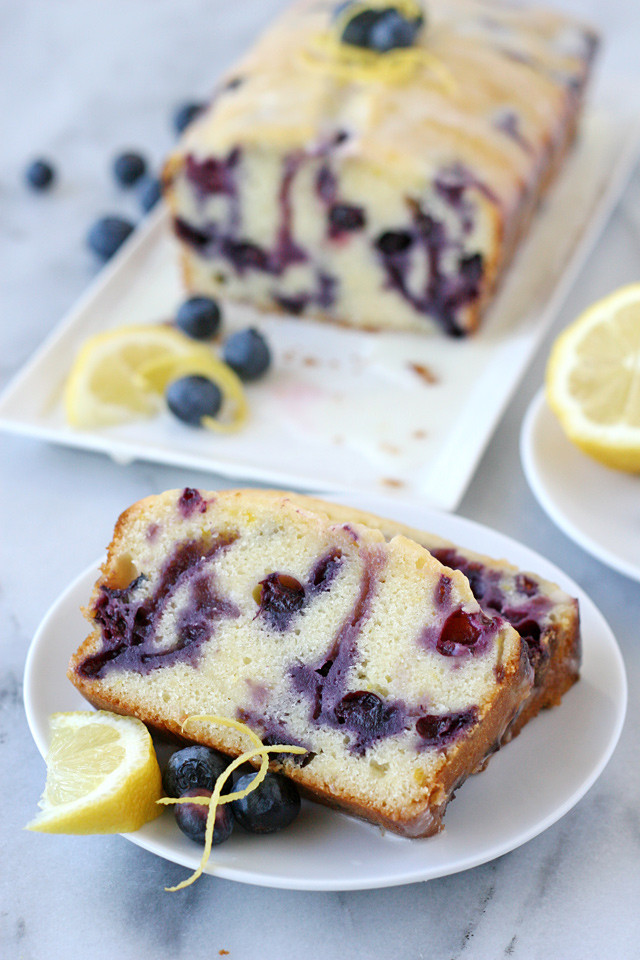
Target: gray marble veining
86,80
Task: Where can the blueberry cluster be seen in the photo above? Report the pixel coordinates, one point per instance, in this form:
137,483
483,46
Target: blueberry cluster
130,169
193,772
378,28
246,352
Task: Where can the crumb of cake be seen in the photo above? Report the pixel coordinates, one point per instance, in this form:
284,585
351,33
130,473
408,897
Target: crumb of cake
393,482
422,371
389,448
419,435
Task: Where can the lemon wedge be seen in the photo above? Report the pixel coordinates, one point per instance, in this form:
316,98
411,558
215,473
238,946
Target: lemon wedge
102,775
593,380
103,387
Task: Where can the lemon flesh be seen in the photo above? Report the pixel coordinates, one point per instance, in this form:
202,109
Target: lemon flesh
102,775
593,380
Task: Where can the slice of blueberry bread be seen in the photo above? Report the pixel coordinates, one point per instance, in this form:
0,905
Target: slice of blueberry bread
367,652
545,616
377,163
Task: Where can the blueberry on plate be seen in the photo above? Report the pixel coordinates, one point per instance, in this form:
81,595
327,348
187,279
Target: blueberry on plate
192,398
247,353
128,168
195,766
273,805
192,818
107,235
149,192
40,174
199,317
186,114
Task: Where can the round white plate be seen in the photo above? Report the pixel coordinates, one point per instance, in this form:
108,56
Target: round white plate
596,507
527,786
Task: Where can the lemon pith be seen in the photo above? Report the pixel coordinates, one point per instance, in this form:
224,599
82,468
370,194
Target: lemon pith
592,380
102,775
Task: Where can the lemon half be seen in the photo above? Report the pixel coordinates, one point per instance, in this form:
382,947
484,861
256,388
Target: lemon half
593,380
102,775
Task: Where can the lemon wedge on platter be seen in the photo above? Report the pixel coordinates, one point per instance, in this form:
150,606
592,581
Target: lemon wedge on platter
102,775
103,387
593,380
120,375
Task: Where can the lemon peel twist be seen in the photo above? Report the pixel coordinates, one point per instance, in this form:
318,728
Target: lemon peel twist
215,800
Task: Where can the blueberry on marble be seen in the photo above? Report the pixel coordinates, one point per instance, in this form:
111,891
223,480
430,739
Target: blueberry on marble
149,192
195,766
107,235
193,397
273,805
128,168
199,318
247,353
192,818
40,174
185,114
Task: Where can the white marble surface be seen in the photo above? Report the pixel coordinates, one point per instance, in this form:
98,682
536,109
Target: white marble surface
81,81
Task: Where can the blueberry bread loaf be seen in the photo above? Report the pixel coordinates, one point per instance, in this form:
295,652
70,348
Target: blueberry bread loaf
367,652
545,616
377,163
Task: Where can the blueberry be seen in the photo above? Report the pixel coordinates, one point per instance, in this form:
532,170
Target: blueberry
128,168
274,804
199,317
393,242
107,235
195,766
247,353
392,31
185,114
149,193
436,730
344,217
281,597
357,31
381,29
40,174
192,398
192,818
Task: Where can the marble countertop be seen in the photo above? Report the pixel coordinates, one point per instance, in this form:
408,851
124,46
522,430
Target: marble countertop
86,81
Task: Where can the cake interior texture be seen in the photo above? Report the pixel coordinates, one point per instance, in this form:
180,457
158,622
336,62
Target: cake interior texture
378,190
317,628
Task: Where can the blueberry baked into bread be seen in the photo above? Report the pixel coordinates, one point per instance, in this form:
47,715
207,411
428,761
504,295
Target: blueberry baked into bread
547,618
315,629
377,163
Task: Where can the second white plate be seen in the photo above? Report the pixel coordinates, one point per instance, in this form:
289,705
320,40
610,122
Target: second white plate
526,787
596,507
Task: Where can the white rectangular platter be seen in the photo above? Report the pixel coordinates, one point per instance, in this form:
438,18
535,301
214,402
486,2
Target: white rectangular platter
340,410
